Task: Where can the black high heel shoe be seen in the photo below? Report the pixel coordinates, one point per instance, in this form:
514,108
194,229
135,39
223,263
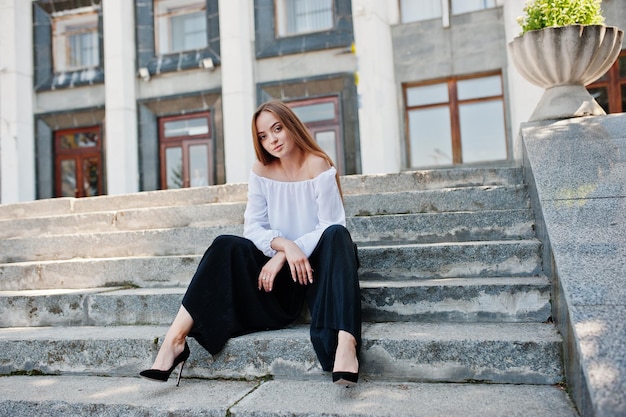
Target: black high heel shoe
347,379
162,376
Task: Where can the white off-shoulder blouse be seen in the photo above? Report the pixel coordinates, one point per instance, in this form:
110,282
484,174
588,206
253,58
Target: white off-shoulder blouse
299,211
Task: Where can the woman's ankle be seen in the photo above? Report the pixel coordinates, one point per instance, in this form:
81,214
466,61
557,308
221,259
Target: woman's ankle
345,357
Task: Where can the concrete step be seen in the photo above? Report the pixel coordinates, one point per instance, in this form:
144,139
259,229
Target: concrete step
200,215
518,299
353,184
231,213
227,193
430,179
419,228
461,226
61,396
459,300
439,201
516,353
392,262
154,242
451,260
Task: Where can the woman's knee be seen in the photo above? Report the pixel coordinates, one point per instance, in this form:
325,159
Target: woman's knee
337,231
231,241
338,238
225,244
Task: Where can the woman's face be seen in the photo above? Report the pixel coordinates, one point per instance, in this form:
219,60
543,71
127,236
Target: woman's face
273,136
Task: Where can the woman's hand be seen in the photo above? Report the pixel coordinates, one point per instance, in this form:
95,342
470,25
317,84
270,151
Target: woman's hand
270,270
299,265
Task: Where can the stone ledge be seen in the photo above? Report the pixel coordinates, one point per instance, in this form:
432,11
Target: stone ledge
576,172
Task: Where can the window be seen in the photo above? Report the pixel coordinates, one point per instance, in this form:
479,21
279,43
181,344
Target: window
460,120
466,6
75,40
180,25
416,10
321,117
186,151
610,90
78,162
283,27
303,16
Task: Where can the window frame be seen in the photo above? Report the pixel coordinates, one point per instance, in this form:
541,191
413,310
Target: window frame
281,20
63,28
269,44
187,7
453,13
78,155
156,63
445,12
613,84
334,124
45,76
453,105
403,13
86,21
185,142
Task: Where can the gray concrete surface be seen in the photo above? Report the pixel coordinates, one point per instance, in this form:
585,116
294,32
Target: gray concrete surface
465,269
508,299
88,396
455,352
577,174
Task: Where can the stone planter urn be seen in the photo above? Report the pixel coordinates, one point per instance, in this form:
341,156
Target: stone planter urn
563,60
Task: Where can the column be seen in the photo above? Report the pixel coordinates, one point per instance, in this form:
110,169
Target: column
121,154
238,88
379,108
17,146
524,96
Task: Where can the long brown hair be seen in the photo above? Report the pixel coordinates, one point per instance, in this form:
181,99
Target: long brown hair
295,128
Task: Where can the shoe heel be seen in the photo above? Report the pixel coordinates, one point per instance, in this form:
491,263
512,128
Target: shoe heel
180,373
346,379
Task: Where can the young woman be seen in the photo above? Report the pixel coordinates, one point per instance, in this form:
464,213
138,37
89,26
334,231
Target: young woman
295,249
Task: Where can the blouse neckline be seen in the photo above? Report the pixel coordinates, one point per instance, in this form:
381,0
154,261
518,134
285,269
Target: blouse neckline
331,169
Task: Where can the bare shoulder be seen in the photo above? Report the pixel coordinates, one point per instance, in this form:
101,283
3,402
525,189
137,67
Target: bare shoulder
258,168
266,171
315,165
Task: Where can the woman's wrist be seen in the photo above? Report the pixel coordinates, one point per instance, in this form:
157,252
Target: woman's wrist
278,244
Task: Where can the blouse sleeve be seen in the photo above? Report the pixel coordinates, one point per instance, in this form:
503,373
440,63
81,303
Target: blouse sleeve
256,225
330,210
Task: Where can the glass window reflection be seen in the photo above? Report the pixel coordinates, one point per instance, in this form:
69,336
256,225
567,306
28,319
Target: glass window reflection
315,112
417,10
186,127
174,167
427,94
90,176
199,165
68,178
78,140
328,142
479,87
431,137
466,6
482,131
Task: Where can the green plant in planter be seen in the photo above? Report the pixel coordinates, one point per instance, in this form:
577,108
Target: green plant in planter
541,14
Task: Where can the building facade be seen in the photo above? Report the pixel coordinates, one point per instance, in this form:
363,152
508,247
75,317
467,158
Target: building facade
120,96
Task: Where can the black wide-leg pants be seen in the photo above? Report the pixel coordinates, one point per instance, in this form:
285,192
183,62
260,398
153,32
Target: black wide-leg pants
224,300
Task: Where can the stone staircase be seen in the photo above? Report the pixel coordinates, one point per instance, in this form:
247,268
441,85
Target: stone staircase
456,309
